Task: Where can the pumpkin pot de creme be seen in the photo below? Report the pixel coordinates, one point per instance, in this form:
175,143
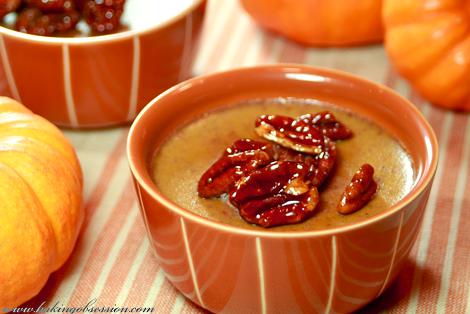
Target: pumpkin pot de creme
190,151
221,162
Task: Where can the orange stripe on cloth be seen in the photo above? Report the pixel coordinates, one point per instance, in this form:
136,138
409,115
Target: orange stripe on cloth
416,99
166,297
102,247
292,53
459,277
144,281
110,168
390,77
267,47
248,38
440,252
57,279
209,58
127,252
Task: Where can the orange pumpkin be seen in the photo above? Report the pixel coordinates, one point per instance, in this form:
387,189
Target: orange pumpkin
428,43
41,207
320,22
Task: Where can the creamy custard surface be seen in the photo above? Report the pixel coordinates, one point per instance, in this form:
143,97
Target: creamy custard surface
187,153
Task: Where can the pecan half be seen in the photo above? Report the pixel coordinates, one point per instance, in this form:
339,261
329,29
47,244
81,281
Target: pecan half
51,6
246,144
359,191
328,125
34,21
320,165
290,133
102,16
324,163
275,195
222,175
280,153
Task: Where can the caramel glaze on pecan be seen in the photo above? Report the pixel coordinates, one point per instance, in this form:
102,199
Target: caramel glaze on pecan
359,191
320,165
276,183
304,134
49,6
32,20
324,163
222,175
275,195
246,144
51,17
290,133
327,124
46,17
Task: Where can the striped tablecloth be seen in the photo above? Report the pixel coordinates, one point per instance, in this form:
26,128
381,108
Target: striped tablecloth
113,266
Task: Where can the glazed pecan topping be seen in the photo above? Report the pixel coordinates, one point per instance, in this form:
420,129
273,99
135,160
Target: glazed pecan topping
290,133
50,6
275,195
327,124
245,144
303,134
319,165
222,175
324,163
48,17
33,21
359,191
102,16
276,183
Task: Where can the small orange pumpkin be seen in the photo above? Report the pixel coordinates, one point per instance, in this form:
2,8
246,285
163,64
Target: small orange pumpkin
41,206
320,22
428,43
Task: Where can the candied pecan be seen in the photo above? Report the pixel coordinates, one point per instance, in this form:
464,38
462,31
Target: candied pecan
320,165
290,133
326,122
277,152
80,4
102,15
222,175
275,195
8,6
359,191
284,154
245,144
33,21
51,6
324,163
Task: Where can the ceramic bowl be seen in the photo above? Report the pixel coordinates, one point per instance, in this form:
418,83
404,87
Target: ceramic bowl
99,81
229,269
